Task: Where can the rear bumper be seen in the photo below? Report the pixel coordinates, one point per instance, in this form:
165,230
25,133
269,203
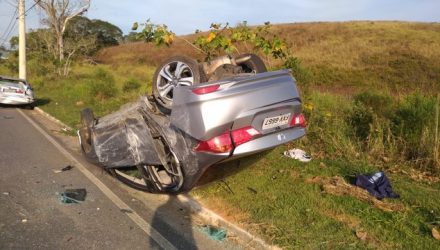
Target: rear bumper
16,100
268,141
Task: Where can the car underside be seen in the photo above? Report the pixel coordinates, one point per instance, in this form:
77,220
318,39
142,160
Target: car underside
165,142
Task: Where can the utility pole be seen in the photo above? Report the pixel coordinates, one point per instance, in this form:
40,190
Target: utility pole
21,40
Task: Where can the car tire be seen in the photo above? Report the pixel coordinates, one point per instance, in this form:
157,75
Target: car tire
30,106
131,182
254,64
146,186
175,71
87,121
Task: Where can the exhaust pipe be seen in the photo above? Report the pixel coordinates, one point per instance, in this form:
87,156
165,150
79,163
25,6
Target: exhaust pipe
211,66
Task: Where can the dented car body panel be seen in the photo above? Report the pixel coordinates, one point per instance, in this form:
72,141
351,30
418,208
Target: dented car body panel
124,139
209,123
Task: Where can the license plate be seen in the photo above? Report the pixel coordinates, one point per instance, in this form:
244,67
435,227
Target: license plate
9,90
276,121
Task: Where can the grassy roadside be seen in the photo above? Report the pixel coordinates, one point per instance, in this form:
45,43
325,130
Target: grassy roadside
312,205
102,88
350,131
277,198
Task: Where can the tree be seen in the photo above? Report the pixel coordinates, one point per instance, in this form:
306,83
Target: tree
58,14
82,37
13,42
132,37
77,44
106,34
3,52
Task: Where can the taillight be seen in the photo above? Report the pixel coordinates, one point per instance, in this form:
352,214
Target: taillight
223,142
19,91
298,120
218,144
243,135
206,89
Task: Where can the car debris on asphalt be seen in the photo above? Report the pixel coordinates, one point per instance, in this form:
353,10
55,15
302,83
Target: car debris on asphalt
6,117
214,233
73,195
66,168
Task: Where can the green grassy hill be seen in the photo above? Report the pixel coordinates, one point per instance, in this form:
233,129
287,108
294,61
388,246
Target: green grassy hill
337,56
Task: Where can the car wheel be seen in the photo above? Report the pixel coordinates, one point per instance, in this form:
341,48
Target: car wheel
30,106
87,120
153,179
254,64
175,71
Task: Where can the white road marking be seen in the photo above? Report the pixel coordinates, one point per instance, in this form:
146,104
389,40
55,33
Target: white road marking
155,235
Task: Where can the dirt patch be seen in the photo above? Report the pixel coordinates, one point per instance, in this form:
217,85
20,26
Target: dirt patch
416,175
294,174
351,221
338,186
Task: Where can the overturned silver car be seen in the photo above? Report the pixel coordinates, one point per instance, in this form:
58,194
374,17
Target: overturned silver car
167,149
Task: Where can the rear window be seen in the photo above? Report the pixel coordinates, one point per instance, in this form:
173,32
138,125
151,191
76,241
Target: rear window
10,81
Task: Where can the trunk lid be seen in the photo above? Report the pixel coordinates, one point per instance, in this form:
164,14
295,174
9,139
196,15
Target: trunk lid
266,101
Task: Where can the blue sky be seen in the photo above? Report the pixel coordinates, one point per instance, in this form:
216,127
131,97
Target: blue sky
185,16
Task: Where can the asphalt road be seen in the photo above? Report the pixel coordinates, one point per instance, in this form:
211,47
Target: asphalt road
33,217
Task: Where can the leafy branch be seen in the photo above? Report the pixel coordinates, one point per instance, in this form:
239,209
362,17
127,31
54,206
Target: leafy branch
221,39
154,33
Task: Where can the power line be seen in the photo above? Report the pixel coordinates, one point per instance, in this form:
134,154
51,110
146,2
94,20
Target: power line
10,21
35,4
13,5
9,28
6,37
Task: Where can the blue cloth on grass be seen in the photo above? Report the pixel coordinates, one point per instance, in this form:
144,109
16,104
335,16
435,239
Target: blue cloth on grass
377,185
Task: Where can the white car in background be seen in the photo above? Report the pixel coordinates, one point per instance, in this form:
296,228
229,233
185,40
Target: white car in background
16,92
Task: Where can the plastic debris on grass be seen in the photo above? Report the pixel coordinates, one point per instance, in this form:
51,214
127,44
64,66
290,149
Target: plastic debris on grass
73,195
297,154
214,233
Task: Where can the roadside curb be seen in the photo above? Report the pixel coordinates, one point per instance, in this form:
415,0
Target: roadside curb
195,206
210,216
50,117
